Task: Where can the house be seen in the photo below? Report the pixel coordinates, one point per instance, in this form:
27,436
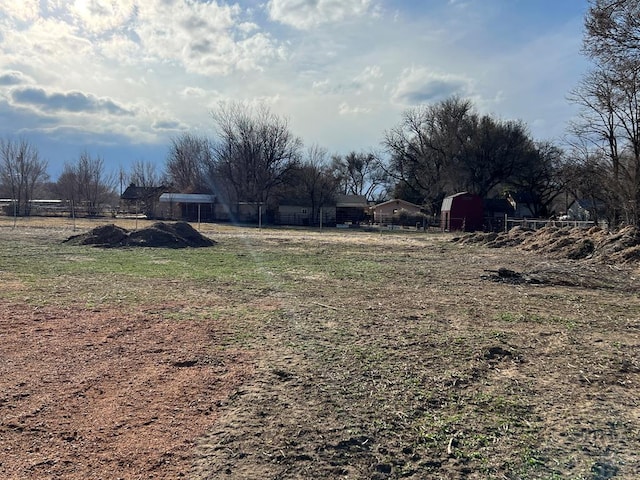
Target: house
524,204
392,210
143,200
462,211
586,210
301,213
351,209
495,212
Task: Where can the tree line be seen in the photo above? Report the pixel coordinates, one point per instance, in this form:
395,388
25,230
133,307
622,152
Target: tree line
252,156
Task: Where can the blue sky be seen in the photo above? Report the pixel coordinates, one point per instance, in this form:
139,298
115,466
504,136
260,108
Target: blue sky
120,78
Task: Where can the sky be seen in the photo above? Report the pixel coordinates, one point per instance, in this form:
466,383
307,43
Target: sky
120,78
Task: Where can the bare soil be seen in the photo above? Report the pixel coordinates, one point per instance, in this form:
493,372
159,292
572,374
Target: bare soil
348,355
106,393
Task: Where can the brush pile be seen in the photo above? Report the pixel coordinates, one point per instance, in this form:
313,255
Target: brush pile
619,247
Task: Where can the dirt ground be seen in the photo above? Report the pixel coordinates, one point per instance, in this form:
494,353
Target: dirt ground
104,393
333,355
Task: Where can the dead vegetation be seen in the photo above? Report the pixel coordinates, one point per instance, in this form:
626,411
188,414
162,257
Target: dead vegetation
596,244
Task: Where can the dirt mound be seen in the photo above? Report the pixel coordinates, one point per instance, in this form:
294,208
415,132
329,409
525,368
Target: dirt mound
158,235
595,243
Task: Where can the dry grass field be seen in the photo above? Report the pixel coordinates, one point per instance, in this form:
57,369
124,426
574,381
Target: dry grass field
296,354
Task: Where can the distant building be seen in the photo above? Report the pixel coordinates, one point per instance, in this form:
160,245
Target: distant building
586,210
292,212
525,205
351,209
495,211
189,207
141,200
391,210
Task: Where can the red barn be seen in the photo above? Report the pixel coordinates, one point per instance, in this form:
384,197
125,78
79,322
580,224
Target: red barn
462,211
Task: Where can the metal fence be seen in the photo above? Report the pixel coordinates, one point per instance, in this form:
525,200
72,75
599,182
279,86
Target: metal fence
536,223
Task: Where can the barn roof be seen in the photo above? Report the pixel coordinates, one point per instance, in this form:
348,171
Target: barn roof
447,203
396,201
351,201
134,192
187,198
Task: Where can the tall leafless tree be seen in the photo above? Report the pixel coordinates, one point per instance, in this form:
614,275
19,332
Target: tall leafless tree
609,95
254,151
316,180
144,174
21,171
188,163
612,31
86,183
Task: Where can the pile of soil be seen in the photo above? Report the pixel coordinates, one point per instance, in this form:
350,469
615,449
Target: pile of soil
159,235
595,243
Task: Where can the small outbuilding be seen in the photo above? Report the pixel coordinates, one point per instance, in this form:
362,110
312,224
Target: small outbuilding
462,211
137,199
189,206
351,209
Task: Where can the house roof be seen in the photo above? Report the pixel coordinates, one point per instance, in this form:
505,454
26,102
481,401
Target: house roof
355,201
187,198
395,201
497,205
522,197
133,192
447,202
588,204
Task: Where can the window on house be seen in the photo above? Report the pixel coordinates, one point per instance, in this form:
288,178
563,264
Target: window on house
304,210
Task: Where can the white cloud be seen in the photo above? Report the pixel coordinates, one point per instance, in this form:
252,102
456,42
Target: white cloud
193,92
168,124
368,77
99,16
22,10
206,38
305,14
346,109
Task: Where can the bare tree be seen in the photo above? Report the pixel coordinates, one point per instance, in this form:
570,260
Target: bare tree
188,163
21,171
86,183
317,180
361,173
612,31
610,99
253,153
422,146
144,174
446,148
540,177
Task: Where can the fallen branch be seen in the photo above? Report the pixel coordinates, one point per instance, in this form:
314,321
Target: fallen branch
326,306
